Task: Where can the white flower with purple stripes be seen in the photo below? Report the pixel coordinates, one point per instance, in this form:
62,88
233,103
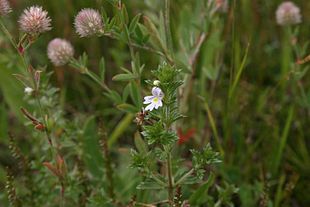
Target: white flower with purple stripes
154,101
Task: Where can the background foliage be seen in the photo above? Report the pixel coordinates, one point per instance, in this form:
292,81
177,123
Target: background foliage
244,94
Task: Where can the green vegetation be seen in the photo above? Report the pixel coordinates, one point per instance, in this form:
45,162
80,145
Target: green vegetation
164,103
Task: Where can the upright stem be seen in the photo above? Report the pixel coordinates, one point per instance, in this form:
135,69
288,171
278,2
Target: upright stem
7,33
108,167
167,26
170,179
189,78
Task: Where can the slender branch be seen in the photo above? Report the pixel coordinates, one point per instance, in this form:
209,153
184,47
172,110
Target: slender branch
8,34
184,177
189,79
157,179
103,85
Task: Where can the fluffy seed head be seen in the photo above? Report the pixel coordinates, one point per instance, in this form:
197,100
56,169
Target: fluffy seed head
4,7
35,21
88,22
60,51
288,14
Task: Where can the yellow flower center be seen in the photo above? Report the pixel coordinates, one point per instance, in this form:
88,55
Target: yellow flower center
155,100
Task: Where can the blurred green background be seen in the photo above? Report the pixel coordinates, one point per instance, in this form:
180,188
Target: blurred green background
264,128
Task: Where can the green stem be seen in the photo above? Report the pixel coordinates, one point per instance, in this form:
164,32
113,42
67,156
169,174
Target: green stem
8,34
108,165
167,26
157,179
103,85
189,78
170,179
214,129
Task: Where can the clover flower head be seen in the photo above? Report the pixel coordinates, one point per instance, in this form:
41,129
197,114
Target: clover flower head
35,21
88,22
154,101
4,7
60,51
288,14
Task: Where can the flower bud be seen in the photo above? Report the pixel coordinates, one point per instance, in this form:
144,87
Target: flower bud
4,7
35,21
288,14
156,82
88,22
28,90
60,51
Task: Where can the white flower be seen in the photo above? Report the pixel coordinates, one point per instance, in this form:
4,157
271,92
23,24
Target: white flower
154,101
28,90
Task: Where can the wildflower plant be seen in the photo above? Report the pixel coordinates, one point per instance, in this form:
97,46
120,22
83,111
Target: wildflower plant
160,137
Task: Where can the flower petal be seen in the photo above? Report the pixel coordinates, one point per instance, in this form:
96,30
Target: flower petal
158,104
150,107
148,99
157,92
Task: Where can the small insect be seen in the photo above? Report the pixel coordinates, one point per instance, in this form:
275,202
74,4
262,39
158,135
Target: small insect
140,117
